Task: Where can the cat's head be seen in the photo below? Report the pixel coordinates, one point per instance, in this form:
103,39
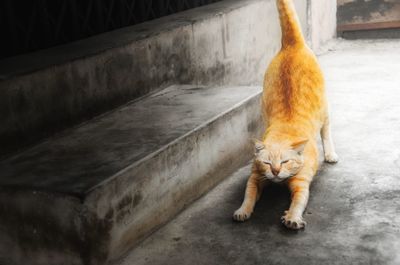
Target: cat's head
279,161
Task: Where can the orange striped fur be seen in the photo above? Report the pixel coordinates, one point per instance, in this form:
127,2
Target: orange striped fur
295,111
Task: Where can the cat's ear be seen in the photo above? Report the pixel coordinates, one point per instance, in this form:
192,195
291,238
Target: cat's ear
258,145
299,146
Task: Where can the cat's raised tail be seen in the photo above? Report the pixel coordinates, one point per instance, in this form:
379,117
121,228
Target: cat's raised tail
290,25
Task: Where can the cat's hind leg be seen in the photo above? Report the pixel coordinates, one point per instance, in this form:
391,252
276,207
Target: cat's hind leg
254,188
327,142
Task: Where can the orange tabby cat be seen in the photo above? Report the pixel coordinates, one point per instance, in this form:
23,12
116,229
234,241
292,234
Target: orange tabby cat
295,111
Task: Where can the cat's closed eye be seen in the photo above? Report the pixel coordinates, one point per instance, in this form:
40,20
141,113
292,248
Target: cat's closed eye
285,161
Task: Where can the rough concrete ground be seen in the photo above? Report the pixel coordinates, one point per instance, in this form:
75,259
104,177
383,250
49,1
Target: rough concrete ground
353,211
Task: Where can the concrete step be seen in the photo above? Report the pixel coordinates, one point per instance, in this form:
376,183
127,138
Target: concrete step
93,192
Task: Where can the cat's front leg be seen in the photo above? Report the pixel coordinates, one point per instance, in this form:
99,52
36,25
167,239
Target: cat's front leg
299,187
253,192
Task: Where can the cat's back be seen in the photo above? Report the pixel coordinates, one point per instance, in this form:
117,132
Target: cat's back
293,64
294,82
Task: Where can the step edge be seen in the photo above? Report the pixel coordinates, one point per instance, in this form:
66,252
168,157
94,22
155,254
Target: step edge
83,194
177,140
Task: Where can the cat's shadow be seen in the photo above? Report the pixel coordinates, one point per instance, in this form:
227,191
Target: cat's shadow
270,208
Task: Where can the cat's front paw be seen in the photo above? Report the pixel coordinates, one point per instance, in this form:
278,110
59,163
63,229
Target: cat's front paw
293,222
331,158
241,215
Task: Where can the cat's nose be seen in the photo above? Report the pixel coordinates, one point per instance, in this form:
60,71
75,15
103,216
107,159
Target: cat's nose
275,170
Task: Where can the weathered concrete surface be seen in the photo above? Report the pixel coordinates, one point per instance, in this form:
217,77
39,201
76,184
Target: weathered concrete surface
91,193
44,228
368,19
321,21
376,11
230,42
78,160
353,210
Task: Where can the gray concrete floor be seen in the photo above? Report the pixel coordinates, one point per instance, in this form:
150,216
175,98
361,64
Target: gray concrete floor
353,211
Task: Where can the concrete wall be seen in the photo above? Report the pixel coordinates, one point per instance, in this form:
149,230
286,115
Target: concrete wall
322,21
302,12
